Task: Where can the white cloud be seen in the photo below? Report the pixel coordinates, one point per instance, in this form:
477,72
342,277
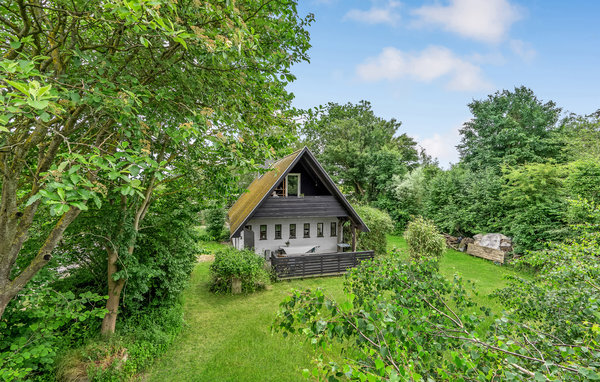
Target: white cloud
442,146
483,20
523,50
376,15
425,66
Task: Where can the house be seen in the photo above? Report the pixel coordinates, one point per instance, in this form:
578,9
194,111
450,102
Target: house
294,209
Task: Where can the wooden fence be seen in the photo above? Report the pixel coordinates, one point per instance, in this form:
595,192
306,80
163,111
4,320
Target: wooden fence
319,264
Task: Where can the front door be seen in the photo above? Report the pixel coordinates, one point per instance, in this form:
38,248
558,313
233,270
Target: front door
248,239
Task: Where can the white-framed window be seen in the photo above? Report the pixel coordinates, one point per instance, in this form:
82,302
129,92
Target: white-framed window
277,231
292,185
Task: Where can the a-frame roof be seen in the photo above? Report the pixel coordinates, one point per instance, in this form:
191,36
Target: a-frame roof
258,191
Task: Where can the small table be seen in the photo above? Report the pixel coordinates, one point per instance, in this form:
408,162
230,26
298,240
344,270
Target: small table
342,246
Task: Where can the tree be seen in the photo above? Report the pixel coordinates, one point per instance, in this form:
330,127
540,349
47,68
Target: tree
510,128
536,207
360,150
109,105
582,136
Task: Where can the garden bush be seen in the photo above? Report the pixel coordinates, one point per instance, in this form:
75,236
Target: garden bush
39,325
245,265
379,223
423,240
215,223
140,339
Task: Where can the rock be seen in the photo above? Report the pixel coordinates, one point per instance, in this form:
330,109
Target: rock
495,255
464,243
496,241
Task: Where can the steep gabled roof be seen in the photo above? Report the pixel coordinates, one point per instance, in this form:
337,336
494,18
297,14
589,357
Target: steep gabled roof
243,209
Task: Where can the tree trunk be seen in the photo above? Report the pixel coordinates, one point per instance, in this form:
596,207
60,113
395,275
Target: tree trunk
109,322
13,233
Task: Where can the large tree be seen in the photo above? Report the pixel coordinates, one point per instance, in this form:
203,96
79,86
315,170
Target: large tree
360,150
510,128
107,97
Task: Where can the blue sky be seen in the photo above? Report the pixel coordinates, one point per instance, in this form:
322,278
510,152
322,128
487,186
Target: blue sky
422,62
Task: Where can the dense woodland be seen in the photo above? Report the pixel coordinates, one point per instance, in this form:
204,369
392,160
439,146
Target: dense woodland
119,126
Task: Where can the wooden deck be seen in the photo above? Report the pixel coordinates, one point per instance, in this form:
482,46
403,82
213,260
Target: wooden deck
319,264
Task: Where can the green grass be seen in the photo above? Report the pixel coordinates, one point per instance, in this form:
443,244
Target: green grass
228,338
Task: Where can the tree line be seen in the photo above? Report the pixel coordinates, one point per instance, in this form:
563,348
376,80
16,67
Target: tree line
522,163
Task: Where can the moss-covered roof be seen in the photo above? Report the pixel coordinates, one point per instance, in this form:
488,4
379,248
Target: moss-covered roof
257,190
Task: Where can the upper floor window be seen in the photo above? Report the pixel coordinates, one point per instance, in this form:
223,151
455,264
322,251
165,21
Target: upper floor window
263,232
319,229
277,231
293,185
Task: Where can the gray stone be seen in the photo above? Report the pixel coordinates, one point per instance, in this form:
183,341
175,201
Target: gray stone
495,241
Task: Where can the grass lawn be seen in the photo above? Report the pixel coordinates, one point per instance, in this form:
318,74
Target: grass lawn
228,338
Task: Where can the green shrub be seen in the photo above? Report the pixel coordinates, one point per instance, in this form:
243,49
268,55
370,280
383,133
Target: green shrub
536,207
245,265
423,240
138,342
379,223
40,324
215,222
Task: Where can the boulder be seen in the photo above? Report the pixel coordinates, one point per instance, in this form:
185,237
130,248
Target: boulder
496,241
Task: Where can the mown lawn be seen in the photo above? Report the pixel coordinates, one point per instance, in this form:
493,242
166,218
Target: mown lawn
228,338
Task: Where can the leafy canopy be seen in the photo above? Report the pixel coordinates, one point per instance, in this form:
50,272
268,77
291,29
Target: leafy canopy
510,128
358,149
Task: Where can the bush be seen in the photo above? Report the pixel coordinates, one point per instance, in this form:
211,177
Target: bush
42,323
423,240
464,202
536,207
138,342
215,222
245,265
379,223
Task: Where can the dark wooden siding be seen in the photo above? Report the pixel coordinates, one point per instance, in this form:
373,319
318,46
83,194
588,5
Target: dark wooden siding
321,264
308,206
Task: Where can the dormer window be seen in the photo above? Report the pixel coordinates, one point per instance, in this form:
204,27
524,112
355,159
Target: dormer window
293,185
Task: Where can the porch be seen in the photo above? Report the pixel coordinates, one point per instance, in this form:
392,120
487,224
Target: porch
319,264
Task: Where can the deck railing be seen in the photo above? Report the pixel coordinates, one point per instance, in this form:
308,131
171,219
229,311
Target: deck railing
317,264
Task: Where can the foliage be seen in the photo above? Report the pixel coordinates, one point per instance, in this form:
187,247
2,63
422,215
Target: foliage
358,149
245,265
535,204
215,223
142,338
583,179
564,297
404,321
510,128
164,256
464,202
408,194
379,223
137,95
41,323
423,240
582,136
